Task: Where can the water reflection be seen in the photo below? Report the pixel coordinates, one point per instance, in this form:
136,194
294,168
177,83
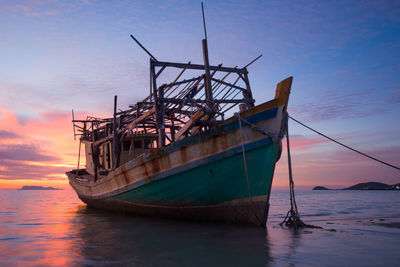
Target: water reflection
108,238
56,229
284,244
33,229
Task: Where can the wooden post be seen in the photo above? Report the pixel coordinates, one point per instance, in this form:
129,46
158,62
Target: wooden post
93,132
84,130
151,81
79,157
139,105
156,103
95,159
116,139
209,97
153,78
73,123
172,129
161,117
249,95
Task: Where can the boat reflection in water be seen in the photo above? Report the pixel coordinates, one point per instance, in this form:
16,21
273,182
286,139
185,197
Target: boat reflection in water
108,238
53,229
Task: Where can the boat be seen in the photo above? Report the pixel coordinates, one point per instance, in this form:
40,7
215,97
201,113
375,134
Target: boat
197,148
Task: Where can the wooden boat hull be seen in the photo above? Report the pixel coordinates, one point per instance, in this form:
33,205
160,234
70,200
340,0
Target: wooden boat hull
200,177
243,213
215,190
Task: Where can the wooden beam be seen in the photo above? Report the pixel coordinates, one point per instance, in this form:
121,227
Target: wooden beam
160,117
201,101
116,147
196,129
248,94
141,118
228,84
190,123
182,82
209,95
197,67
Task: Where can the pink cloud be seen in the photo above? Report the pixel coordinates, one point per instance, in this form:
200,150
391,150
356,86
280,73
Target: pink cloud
39,8
8,135
337,168
299,142
41,148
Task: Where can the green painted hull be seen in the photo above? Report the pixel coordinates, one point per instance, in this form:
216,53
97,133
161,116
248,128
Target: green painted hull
212,183
214,191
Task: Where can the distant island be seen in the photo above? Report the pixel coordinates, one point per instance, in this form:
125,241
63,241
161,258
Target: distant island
320,188
365,186
35,187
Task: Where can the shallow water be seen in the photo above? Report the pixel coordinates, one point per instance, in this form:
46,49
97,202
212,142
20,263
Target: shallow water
54,228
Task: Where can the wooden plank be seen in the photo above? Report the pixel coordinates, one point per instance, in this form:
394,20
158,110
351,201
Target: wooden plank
182,82
189,124
198,67
201,101
196,129
229,84
144,116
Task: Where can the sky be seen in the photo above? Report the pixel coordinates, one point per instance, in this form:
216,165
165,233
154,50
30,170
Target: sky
56,56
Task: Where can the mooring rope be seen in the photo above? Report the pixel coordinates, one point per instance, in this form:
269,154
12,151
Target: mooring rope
245,166
244,159
274,137
339,143
292,218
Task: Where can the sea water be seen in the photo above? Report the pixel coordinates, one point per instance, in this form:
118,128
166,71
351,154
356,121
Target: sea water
54,228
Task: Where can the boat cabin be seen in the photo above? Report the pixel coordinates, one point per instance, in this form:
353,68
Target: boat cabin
131,147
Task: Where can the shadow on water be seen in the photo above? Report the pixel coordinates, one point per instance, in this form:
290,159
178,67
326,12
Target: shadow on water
110,238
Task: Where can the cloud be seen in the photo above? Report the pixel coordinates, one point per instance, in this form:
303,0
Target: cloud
394,95
388,154
299,142
17,170
39,8
23,152
338,167
8,135
353,103
43,149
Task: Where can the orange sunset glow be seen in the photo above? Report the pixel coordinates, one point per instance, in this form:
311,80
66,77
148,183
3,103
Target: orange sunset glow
39,150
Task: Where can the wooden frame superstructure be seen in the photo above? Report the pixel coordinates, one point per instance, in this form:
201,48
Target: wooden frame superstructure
196,100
